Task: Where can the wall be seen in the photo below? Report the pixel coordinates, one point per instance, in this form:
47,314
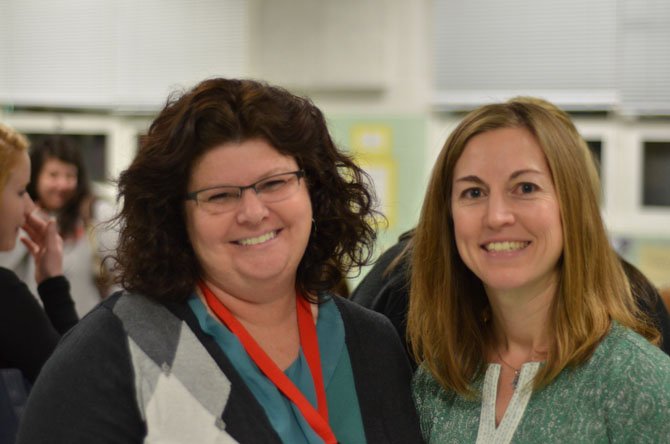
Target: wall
369,65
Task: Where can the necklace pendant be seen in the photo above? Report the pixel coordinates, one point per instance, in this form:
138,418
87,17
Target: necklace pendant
515,381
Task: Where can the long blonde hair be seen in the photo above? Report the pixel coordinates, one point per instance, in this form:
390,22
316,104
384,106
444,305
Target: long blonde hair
11,145
449,314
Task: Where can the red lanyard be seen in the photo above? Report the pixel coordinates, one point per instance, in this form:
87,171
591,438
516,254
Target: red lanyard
318,420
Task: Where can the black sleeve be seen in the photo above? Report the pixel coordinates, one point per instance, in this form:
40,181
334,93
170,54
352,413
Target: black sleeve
27,337
382,376
85,393
649,301
387,292
367,291
58,304
659,314
393,302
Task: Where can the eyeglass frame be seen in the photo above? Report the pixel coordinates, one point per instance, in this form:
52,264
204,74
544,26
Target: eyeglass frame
193,195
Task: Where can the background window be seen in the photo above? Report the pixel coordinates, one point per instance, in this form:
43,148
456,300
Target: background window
596,149
656,174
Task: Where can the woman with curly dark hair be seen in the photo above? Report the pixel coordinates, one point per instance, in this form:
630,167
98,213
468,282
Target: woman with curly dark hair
239,214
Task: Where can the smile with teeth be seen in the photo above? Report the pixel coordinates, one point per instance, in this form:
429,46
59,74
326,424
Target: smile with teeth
505,246
257,240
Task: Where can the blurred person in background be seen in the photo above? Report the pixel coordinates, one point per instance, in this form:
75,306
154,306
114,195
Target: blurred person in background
239,215
520,312
60,188
665,296
28,333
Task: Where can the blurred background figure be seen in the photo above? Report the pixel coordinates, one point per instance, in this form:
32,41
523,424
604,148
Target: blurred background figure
665,295
60,188
28,333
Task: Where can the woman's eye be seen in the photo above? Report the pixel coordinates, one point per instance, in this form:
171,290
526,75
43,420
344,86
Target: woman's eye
527,188
222,196
271,185
472,193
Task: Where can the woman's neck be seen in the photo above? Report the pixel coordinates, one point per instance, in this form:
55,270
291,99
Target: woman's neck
271,320
520,323
265,307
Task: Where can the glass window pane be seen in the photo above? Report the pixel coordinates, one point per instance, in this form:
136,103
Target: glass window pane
656,174
596,149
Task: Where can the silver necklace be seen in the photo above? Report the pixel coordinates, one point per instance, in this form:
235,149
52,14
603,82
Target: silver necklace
517,371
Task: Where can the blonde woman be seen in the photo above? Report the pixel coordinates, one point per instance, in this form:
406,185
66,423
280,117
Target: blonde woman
520,311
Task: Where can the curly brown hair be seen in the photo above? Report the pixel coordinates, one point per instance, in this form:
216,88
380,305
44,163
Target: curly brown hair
155,256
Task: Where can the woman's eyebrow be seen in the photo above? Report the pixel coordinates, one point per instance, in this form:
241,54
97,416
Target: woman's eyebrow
470,178
518,173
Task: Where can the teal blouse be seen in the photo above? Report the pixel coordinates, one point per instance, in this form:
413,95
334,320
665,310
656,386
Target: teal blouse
343,409
622,394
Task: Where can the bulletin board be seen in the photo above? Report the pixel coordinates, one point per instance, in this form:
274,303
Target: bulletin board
392,150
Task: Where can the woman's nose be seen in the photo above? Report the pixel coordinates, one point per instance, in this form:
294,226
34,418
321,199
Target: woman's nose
64,182
251,208
499,211
28,203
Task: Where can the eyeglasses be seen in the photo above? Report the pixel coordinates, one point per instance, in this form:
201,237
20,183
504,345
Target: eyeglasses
224,198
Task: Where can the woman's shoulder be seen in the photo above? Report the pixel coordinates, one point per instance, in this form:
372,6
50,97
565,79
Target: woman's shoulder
111,319
105,333
13,290
375,326
91,365
8,277
98,324
622,347
426,387
633,381
627,367
424,381
432,401
136,314
371,337
354,312
8,281
381,371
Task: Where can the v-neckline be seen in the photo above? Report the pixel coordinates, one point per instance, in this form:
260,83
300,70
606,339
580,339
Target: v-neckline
503,433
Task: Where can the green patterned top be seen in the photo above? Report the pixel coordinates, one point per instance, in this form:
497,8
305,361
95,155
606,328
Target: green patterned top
622,394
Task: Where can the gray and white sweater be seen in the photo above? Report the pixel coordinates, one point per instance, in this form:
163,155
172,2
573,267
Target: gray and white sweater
134,370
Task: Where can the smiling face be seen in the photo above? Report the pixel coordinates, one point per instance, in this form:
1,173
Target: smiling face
15,203
56,184
256,243
506,215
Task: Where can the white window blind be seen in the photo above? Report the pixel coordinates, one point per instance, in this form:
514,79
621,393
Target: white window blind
593,54
644,56
115,53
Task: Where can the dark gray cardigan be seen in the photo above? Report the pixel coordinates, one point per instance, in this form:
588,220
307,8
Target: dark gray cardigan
88,393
